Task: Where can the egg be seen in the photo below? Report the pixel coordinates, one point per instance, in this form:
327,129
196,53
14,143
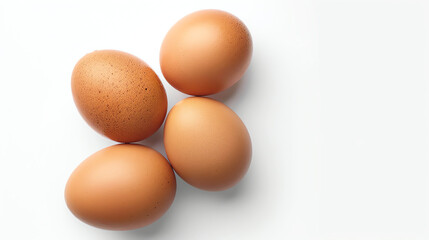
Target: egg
206,52
119,95
207,143
121,187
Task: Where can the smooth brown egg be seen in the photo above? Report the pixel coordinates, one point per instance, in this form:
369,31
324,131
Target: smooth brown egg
121,187
207,143
206,52
119,95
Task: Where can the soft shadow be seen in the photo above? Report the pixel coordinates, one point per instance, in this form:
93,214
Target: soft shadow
156,141
235,90
184,196
148,231
228,93
233,192
189,193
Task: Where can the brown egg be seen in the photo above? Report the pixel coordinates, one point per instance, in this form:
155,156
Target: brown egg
119,95
206,52
121,187
207,143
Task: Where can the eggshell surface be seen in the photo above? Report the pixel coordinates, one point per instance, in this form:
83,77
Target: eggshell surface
119,95
206,52
207,143
121,187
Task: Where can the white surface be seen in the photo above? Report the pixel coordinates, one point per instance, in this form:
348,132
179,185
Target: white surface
336,100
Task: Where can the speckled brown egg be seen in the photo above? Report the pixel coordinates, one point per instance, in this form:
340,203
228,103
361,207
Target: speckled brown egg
206,52
121,187
119,95
207,143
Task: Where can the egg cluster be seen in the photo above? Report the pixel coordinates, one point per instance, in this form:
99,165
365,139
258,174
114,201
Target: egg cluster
128,186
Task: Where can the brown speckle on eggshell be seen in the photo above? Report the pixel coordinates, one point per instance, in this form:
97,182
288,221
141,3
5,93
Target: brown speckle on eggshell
119,95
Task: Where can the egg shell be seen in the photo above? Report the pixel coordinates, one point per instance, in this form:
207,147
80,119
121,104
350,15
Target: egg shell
206,52
207,143
121,187
119,95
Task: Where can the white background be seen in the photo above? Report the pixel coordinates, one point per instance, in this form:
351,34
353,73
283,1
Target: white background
336,100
